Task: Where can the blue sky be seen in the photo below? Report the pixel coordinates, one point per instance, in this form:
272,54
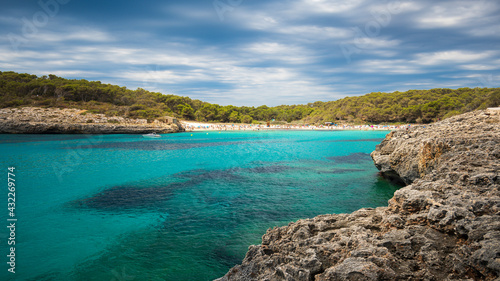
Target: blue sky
252,52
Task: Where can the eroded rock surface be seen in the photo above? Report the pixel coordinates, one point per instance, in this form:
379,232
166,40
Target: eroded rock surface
444,225
34,120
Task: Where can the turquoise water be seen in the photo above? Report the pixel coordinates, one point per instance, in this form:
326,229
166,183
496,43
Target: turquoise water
183,207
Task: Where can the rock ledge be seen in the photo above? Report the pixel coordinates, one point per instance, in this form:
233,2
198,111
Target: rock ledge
444,225
35,120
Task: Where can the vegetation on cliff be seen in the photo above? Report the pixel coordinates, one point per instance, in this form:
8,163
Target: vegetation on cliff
412,106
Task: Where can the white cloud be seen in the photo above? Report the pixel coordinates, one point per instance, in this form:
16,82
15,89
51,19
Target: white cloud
488,30
70,73
269,48
314,32
426,62
87,34
280,24
479,67
272,51
162,76
417,84
459,13
257,84
374,43
289,52
396,66
329,6
450,57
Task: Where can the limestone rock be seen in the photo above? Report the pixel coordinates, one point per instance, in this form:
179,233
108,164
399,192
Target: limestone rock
443,225
33,120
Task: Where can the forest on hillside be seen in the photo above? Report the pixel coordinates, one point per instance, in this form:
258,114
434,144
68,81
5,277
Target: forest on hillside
421,106
414,106
18,89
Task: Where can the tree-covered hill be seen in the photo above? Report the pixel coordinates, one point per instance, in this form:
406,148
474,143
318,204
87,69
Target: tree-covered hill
29,90
412,106
420,106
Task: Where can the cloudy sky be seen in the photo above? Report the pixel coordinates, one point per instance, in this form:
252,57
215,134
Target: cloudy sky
253,52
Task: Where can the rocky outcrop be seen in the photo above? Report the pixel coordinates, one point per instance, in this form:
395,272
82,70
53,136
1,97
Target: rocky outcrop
444,225
34,120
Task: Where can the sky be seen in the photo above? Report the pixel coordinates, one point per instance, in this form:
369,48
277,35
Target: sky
253,52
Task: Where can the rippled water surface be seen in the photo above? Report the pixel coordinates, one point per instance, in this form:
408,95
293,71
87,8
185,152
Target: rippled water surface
182,207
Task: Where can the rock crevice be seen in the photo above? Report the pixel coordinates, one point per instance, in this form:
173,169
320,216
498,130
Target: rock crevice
443,225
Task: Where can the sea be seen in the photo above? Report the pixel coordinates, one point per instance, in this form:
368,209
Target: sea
185,206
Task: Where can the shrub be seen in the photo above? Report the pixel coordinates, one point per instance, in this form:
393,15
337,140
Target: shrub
14,103
137,107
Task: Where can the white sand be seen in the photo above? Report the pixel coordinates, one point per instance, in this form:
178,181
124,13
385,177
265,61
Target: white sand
199,126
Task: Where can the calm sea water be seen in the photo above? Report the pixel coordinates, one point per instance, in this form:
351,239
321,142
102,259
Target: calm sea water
183,207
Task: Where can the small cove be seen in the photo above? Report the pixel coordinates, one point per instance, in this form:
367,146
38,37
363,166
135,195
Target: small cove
180,207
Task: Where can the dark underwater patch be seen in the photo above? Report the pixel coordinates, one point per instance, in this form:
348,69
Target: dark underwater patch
152,145
199,175
360,140
341,171
353,158
151,197
223,256
269,169
126,197
269,215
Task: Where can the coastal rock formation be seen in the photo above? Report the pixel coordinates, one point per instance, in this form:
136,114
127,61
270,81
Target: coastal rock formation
34,120
444,225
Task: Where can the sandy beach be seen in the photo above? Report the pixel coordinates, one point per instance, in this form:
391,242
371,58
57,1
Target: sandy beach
198,126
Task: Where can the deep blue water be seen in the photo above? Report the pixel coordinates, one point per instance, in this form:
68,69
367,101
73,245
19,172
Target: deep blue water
182,207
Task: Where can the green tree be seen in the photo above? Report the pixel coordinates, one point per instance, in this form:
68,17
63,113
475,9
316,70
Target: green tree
234,117
186,111
247,119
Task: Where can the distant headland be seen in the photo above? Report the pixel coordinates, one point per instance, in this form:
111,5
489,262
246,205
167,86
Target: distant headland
36,120
413,106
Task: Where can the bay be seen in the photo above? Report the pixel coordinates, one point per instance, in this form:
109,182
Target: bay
182,207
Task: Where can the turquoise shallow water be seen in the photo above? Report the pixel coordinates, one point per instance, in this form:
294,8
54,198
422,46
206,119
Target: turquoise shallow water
121,207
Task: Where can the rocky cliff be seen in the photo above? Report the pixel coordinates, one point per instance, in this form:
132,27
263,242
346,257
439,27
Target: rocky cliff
33,120
444,225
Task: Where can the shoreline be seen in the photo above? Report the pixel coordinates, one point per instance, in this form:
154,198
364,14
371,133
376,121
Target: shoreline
201,127
36,120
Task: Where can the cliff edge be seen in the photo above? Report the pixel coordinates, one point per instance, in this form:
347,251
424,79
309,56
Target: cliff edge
444,225
35,120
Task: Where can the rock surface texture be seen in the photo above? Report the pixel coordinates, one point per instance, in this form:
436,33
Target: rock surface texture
444,225
34,120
